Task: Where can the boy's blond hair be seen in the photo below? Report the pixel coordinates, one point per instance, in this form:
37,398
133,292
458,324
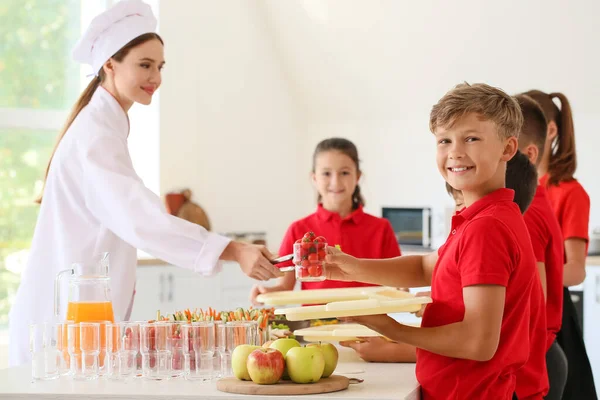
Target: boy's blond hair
490,103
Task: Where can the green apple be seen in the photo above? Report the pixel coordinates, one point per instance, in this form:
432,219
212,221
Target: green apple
305,364
284,345
265,366
238,361
330,353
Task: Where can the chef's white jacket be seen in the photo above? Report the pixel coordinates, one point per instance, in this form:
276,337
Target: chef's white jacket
95,202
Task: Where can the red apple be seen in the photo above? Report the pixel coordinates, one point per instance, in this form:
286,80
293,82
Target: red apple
265,366
239,361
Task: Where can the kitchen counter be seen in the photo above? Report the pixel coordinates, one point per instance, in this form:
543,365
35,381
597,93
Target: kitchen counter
592,260
149,261
381,382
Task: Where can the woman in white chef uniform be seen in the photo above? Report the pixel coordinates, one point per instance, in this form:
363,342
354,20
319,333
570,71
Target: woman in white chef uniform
93,199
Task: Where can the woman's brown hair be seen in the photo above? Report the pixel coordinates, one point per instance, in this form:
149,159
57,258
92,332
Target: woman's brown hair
563,157
348,148
89,91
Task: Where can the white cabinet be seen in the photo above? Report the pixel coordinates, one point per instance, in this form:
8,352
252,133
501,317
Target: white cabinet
168,288
155,289
591,318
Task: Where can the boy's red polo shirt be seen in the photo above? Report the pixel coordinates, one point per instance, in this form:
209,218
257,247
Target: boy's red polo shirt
489,245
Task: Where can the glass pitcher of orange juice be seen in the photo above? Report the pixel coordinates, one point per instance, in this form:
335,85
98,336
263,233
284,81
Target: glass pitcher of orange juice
88,298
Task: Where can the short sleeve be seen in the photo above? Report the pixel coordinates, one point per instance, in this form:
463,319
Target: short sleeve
390,248
576,214
488,253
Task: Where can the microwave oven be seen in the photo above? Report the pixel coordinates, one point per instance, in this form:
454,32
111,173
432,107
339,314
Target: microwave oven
412,226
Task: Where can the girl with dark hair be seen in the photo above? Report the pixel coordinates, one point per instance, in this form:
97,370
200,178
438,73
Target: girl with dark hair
339,217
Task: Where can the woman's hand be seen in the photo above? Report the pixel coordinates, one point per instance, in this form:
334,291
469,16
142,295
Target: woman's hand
253,260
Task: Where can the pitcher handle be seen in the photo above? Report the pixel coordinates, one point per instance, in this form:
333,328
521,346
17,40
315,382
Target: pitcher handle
57,291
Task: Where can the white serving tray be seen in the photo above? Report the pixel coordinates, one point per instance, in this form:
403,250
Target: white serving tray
339,309
323,296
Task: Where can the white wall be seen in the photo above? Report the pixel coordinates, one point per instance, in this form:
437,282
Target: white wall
229,126
246,76
371,70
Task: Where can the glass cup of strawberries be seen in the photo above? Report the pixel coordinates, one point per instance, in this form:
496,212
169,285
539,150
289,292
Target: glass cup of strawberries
309,254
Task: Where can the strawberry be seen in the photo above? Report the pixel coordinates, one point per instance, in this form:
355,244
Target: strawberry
315,270
310,235
306,243
320,242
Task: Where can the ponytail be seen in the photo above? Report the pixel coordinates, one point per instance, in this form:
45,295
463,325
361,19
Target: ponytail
357,198
563,160
81,102
563,157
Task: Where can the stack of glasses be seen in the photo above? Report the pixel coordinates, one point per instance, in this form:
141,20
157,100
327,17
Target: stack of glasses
126,350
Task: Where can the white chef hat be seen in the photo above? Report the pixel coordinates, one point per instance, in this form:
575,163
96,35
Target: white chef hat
113,29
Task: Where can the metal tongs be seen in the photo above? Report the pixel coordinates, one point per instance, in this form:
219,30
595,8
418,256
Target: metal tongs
283,259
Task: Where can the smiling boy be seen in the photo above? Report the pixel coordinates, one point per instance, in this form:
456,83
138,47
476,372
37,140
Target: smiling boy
475,334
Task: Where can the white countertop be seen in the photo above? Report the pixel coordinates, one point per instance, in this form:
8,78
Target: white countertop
381,382
145,260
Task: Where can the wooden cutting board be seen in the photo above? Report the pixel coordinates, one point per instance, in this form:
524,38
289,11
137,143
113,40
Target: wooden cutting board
334,383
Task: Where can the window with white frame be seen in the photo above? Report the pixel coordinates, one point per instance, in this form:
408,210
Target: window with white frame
39,83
